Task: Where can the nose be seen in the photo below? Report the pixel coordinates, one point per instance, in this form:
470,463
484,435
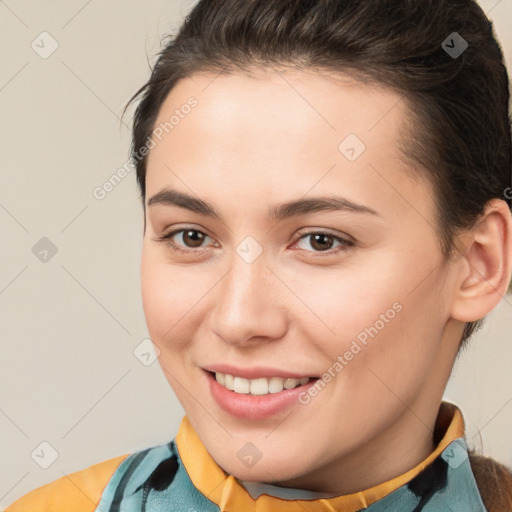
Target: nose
250,304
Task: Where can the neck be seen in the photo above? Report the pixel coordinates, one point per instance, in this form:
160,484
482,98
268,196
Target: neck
399,448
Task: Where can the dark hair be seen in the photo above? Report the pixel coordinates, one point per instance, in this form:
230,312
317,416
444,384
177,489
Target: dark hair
458,126
494,481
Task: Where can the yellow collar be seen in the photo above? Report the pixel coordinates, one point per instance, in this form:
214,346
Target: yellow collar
230,495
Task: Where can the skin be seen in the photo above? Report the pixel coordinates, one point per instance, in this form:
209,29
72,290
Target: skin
260,139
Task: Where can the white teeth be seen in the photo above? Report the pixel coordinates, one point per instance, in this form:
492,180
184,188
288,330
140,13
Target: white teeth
241,385
229,381
261,386
290,383
275,384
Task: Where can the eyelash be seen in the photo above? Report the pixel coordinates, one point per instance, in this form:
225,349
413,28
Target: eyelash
346,244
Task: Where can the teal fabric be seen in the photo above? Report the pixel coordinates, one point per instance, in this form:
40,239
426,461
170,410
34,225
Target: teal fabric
155,480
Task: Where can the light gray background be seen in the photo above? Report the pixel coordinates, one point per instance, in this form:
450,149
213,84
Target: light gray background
69,326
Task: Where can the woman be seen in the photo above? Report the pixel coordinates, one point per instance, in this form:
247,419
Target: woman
326,191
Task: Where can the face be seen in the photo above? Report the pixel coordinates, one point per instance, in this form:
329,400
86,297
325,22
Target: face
353,296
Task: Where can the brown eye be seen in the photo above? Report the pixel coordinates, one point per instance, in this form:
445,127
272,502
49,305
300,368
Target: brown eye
192,240
193,236
323,242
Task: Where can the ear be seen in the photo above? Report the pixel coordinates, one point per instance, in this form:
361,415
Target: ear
485,268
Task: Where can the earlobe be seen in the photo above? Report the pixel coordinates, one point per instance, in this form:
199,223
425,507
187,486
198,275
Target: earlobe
485,269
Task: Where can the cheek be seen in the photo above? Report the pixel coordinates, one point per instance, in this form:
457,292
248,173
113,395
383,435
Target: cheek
393,350
374,321
166,301
343,303
167,297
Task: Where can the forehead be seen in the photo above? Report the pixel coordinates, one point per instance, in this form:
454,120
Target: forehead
276,128
267,101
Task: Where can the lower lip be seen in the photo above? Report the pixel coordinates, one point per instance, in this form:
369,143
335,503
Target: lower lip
254,407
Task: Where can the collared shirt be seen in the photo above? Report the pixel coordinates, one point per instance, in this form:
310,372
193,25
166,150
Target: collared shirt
181,476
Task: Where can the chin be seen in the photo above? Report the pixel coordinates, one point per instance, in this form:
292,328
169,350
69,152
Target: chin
269,471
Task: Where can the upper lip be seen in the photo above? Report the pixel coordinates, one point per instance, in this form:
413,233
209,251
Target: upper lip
254,372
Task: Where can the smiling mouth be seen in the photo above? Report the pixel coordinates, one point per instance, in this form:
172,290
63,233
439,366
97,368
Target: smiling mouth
260,386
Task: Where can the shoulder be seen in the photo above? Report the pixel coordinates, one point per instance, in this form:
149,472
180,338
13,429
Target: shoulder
152,477
78,491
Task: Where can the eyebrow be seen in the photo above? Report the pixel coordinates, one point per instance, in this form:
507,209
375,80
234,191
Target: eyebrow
171,197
